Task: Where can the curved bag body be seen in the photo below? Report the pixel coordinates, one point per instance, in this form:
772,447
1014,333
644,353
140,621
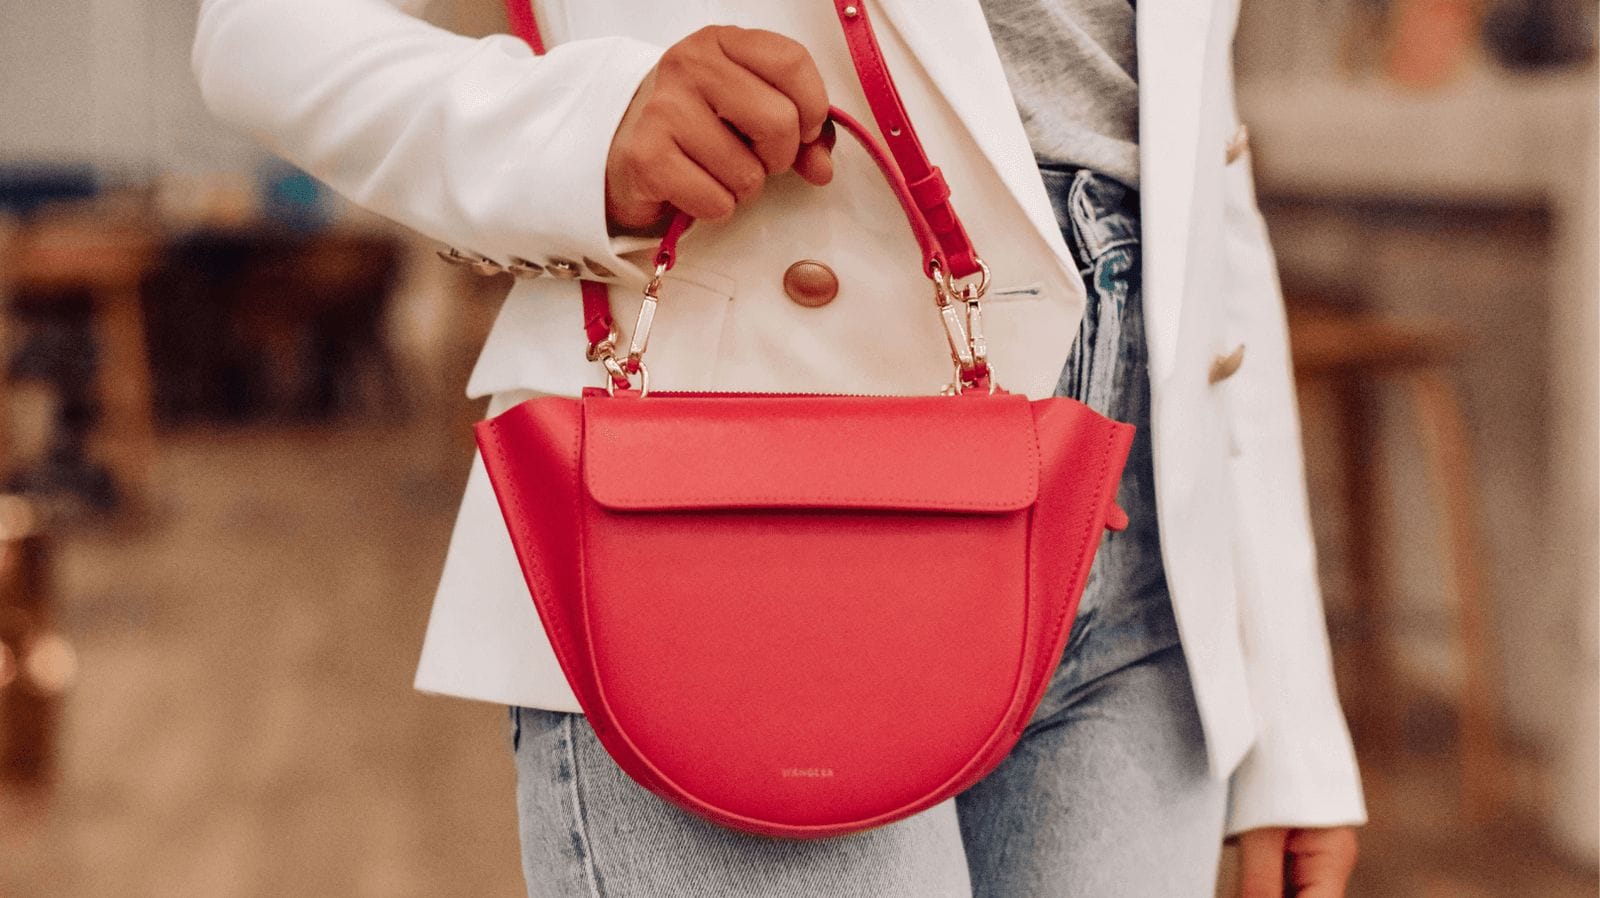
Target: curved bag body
806,616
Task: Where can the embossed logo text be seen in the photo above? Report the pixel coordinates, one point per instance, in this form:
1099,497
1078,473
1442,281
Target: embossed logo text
809,772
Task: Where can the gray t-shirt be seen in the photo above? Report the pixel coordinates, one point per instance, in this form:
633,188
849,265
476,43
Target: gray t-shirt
1071,65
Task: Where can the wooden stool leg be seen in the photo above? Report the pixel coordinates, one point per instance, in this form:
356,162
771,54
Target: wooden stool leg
129,434
1367,534
40,662
1447,456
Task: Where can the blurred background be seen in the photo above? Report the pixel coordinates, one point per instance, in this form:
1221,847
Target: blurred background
232,438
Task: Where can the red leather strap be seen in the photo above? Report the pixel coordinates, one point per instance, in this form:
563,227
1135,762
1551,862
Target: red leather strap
597,321
927,184
519,13
667,251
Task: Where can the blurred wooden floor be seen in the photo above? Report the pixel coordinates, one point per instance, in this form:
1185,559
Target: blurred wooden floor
244,724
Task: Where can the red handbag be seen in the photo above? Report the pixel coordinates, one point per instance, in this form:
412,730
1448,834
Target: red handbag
807,615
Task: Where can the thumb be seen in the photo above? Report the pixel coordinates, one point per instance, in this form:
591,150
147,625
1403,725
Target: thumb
815,160
1261,854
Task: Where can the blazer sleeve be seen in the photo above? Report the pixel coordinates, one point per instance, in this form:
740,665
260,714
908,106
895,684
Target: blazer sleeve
474,142
1302,771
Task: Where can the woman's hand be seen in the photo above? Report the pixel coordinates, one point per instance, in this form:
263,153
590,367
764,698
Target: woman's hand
1283,863
723,109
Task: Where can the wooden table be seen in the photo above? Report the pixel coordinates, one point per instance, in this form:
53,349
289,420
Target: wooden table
106,261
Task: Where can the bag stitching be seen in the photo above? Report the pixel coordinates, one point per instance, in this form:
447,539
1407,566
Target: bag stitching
553,624
1088,531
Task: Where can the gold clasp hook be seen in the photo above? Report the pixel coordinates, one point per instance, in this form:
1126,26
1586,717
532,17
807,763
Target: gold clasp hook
969,348
969,291
619,372
647,317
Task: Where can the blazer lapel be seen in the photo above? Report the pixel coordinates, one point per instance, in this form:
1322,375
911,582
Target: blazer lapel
953,44
1172,37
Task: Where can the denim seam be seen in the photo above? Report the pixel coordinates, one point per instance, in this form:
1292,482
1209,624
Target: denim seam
1086,213
1080,232
580,824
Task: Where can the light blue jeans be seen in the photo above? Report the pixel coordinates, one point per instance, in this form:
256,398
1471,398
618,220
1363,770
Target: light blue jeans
1106,795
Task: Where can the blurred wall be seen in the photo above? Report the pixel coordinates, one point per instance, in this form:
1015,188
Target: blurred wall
108,82
1577,768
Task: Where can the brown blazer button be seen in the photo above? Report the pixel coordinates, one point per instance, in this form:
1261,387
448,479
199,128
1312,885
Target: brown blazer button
810,283
598,270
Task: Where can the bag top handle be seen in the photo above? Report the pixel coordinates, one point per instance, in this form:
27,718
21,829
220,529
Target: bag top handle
924,196
925,183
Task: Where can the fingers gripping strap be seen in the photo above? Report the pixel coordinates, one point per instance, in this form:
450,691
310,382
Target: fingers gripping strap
933,258
916,181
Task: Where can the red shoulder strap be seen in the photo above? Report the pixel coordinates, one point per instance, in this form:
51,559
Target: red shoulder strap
523,24
927,184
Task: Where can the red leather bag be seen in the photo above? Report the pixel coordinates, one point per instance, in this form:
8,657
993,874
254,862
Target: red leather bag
807,615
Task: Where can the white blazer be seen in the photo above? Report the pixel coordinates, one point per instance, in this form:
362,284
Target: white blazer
481,145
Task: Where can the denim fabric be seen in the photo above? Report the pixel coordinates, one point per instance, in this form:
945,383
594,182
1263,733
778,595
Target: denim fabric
1126,612
1107,794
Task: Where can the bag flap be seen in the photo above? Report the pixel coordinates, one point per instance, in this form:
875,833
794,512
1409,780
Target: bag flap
972,454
